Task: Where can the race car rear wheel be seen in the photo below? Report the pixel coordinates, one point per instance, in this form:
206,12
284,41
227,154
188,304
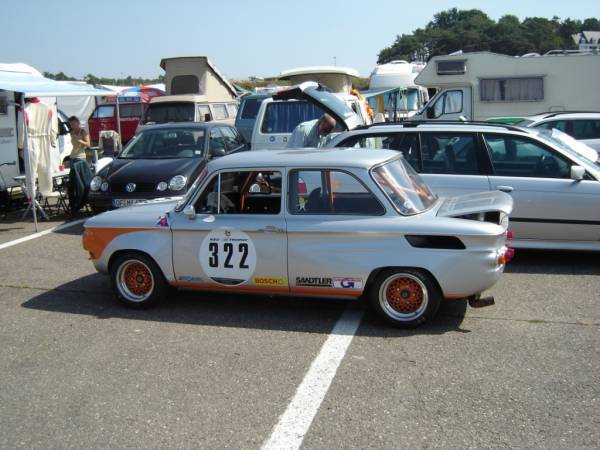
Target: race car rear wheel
405,298
137,281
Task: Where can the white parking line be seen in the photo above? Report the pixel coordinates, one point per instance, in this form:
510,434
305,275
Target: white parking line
295,421
41,233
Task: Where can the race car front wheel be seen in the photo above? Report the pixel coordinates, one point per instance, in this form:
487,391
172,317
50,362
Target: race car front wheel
137,281
405,298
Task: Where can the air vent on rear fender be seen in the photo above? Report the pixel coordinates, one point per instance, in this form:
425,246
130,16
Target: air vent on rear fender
440,242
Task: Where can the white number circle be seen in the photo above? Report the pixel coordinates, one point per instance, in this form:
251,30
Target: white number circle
228,257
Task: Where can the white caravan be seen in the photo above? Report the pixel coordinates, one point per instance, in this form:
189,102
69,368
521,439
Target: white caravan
398,74
480,85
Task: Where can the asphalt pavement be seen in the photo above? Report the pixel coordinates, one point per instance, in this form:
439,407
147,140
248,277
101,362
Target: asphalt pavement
218,371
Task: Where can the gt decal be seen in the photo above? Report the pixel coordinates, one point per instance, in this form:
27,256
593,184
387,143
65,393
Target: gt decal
270,281
348,283
228,257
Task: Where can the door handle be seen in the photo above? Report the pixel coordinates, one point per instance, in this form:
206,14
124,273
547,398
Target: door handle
271,229
506,189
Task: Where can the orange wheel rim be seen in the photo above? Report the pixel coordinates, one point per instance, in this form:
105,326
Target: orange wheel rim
404,295
138,279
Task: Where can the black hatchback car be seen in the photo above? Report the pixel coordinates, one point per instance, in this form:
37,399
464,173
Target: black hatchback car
162,161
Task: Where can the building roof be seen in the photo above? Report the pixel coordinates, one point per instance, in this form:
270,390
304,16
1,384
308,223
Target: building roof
591,37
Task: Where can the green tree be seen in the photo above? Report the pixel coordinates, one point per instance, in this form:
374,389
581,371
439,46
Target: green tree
591,24
509,37
542,34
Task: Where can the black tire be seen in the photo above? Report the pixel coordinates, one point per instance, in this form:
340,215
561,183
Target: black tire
415,297
137,281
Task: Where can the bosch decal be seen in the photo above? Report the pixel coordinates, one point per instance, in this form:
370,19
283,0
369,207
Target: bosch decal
270,281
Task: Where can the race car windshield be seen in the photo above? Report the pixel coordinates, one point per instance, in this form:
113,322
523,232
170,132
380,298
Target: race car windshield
404,187
166,144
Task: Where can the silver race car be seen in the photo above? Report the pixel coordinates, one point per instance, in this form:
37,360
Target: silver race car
341,223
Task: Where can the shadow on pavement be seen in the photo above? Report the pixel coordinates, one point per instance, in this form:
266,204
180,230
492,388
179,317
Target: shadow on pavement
91,295
554,262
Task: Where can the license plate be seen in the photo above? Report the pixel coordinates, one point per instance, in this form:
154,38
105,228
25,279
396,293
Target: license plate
122,202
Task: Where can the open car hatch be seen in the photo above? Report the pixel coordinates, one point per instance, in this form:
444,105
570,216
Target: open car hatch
321,97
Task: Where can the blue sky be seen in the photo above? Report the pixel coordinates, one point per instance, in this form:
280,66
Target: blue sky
243,38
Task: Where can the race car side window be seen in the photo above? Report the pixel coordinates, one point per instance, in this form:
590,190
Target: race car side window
241,192
330,192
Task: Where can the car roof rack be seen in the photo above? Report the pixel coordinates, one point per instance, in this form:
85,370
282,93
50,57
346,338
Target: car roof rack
415,123
549,114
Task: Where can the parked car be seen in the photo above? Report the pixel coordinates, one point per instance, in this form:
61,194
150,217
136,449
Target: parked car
583,126
278,115
249,225
553,179
161,161
187,108
247,112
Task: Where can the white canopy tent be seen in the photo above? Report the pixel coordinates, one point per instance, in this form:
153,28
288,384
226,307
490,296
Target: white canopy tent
30,86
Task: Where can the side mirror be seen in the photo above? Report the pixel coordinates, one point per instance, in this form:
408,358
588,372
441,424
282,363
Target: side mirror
577,173
217,152
189,212
430,114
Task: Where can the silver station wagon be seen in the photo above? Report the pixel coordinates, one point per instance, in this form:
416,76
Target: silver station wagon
553,179
341,223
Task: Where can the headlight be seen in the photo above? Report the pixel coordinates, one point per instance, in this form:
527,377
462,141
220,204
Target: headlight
162,186
104,186
177,183
95,184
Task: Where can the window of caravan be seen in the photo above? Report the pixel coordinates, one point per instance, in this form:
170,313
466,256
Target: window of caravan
283,117
512,89
170,112
130,110
451,67
185,84
450,102
219,111
104,112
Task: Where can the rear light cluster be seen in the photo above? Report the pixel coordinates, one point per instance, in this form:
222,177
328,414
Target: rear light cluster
509,252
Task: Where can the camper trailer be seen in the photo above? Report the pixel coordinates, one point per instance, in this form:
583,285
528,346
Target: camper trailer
196,91
480,85
408,99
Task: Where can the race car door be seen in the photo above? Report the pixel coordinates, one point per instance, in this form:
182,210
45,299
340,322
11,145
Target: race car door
237,238
331,244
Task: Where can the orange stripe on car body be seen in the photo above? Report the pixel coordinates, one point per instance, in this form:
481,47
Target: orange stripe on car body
268,289
238,288
326,291
95,240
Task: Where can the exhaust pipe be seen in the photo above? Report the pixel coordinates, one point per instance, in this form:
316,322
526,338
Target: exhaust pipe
476,301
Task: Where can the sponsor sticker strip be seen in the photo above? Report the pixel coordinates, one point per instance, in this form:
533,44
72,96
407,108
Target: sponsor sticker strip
270,281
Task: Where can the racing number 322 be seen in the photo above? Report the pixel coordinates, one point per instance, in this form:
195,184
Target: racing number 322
213,260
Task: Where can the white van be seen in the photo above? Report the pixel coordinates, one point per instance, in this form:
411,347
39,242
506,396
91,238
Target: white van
480,85
279,115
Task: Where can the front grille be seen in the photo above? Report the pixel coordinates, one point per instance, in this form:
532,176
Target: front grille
140,187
